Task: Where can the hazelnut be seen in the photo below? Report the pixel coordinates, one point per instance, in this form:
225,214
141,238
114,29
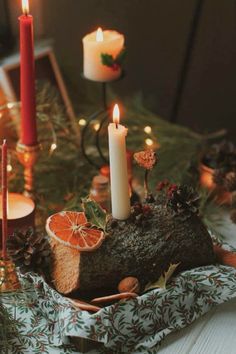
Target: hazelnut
129,284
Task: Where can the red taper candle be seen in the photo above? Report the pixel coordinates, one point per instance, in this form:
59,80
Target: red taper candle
28,131
4,199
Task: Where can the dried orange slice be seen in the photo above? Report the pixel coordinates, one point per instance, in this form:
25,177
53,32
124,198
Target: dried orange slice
72,229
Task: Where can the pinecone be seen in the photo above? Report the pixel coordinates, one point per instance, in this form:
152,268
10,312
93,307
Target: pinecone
230,181
29,250
218,176
222,155
184,201
225,151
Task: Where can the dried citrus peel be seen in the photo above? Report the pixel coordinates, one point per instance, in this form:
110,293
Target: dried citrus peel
72,229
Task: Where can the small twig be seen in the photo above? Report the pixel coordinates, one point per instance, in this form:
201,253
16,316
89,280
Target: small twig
146,188
214,135
217,134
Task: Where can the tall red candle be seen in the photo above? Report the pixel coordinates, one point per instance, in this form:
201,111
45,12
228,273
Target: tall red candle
28,131
4,199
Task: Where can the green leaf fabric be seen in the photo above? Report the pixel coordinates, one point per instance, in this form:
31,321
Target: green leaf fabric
43,319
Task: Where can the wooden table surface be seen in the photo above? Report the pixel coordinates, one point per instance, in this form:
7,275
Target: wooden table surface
214,333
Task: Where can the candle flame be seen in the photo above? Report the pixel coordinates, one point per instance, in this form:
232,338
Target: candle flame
116,114
25,7
99,35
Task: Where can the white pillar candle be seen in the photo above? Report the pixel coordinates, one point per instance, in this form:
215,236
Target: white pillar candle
20,215
120,199
97,43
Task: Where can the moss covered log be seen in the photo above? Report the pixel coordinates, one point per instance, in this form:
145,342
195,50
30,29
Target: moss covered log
142,246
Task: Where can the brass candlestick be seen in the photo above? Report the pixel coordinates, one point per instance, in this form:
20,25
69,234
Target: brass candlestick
28,156
8,277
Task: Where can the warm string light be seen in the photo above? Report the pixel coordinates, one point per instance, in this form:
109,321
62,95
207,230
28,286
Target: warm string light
96,126
25,7
149,142
10,105
147,129
99,35
9,168
53,148
9,165
116,115
82,122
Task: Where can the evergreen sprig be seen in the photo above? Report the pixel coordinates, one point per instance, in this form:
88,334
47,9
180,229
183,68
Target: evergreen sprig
61,180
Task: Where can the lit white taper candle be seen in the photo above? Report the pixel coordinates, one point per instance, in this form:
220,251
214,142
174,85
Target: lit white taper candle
120,199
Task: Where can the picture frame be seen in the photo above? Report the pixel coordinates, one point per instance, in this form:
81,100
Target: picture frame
46,68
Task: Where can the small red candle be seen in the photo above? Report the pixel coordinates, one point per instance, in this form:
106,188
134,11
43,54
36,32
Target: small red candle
28,131
4,199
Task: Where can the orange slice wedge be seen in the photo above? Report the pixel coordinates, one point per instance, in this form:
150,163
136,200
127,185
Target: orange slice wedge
72,229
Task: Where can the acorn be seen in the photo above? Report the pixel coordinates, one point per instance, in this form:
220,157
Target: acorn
129,284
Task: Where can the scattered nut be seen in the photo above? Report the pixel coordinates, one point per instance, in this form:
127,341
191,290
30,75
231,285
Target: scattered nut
129,284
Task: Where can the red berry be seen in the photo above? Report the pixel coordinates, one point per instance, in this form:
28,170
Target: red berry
171,189
163,184
146,209
115,67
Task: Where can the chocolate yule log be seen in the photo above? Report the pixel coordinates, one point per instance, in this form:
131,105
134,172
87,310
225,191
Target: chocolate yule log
143,246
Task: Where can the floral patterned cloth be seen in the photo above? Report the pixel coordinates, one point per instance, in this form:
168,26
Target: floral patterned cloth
41,320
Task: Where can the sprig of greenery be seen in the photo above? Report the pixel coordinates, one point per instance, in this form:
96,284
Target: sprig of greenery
95,214
61,180
111,62
163,280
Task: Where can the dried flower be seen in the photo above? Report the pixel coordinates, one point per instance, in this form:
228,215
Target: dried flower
146,159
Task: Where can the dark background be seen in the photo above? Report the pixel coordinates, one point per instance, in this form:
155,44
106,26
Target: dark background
157,36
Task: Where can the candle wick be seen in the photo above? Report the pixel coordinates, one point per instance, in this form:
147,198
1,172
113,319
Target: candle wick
116,125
